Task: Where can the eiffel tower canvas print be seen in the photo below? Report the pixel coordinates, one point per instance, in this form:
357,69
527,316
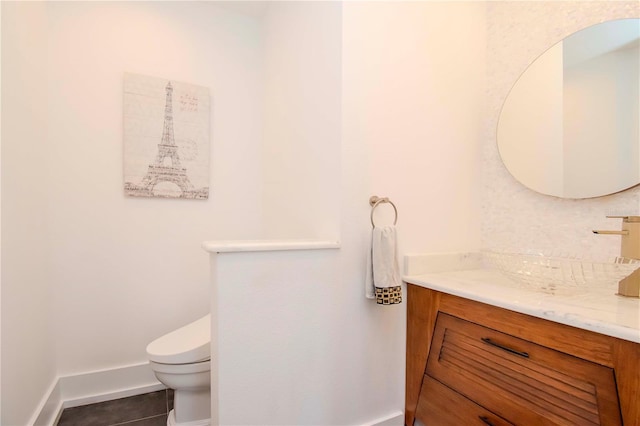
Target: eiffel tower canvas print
166,138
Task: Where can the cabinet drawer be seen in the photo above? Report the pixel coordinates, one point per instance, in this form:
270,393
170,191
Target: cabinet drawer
518,380
440,406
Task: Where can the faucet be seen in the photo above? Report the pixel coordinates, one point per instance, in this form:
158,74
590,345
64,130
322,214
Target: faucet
629,248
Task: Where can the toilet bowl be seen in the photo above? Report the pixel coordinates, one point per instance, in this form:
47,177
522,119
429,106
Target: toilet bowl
181,360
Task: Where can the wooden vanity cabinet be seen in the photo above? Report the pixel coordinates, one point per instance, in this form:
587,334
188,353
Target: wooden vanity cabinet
470,363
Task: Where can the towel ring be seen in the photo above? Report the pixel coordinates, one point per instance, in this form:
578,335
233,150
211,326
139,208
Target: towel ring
374,201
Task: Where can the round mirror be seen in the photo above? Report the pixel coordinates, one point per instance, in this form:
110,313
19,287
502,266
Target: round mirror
570,126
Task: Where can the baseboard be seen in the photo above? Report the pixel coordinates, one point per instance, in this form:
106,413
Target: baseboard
50,407
393,419
92,387
121,382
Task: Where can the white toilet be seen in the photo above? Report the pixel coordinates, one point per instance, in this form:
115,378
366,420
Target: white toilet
181,360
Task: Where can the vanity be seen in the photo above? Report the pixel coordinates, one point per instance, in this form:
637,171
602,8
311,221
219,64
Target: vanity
482,351
485,350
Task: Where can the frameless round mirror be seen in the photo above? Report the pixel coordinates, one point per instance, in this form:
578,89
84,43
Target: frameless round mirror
570,126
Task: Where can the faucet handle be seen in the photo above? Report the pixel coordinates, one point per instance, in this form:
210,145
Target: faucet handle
626,218
624,232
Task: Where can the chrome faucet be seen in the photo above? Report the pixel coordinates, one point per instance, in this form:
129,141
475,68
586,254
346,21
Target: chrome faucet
629,248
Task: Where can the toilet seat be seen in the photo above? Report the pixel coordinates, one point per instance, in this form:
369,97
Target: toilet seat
190,368
188,344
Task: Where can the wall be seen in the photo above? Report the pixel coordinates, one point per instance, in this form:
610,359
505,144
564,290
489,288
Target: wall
128,270
512,215
413,90
313,350
302,119
112,273
287,346
0,217
28,349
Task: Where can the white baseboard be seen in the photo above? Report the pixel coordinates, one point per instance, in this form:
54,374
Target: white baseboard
48,411
92,387
393,419
121,382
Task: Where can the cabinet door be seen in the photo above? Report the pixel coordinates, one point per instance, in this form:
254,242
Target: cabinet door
523,382
440,406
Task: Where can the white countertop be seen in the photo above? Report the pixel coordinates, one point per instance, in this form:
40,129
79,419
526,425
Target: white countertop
602,312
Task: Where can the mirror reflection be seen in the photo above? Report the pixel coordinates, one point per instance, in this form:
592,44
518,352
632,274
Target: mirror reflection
570,125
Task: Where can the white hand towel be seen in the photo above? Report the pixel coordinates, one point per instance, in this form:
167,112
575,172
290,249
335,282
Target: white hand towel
383,277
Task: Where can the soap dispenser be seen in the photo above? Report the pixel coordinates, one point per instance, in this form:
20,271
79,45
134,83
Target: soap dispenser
629,248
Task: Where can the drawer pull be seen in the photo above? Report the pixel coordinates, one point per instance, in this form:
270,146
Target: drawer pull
505,348
486,420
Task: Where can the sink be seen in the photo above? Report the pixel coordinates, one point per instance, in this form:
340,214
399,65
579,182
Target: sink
560,274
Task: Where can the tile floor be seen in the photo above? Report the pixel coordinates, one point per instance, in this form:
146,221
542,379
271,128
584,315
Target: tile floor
149,409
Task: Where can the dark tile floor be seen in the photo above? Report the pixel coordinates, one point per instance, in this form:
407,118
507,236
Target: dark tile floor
149,409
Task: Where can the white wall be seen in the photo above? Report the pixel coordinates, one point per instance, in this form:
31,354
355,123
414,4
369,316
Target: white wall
302,118
28,351
291,342
413,96
298,342
413,88
126,270
0,216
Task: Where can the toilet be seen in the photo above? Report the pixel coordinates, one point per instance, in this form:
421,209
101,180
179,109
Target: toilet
181,360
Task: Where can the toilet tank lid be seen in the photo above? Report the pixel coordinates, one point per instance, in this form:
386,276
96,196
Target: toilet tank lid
191,343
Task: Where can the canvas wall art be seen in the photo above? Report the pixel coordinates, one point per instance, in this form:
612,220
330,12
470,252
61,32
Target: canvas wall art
166,138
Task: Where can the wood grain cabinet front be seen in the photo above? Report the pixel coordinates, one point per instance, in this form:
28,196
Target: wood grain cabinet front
442,406
519,380
469,363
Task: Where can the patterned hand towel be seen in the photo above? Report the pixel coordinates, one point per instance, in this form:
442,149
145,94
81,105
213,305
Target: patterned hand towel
383,277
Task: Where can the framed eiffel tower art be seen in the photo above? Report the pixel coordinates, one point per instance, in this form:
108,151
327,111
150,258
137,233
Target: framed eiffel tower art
166,138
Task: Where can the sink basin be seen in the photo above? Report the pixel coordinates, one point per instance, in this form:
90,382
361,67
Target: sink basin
561,274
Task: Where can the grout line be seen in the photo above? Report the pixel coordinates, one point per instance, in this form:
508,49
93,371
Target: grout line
137,420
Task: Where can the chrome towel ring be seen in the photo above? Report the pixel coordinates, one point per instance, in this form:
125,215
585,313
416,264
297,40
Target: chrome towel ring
375,201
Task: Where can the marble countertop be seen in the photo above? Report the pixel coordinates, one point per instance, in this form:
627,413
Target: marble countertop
604,313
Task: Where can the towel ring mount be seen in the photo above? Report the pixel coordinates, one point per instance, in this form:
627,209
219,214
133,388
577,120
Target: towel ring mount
375,201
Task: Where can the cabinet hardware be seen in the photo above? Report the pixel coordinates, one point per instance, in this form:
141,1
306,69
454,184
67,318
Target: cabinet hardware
486,420
505,348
